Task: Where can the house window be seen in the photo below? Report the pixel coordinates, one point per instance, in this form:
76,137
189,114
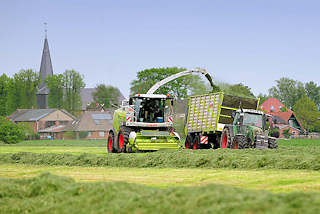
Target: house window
50,123
272,108
89,134
101,134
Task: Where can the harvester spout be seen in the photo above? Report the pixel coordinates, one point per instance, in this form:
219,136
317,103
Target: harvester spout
180,74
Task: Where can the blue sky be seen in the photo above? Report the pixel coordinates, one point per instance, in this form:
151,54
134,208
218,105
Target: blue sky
253,42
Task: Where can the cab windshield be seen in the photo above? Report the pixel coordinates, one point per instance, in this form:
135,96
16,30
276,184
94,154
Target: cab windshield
252,120
150,110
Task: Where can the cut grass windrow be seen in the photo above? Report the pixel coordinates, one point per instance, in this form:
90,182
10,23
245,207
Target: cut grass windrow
238,159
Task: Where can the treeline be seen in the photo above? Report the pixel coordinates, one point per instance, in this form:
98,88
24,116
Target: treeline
19,91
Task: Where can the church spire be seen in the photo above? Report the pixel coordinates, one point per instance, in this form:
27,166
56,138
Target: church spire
45,71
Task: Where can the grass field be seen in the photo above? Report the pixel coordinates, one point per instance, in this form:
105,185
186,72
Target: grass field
285,180
271,180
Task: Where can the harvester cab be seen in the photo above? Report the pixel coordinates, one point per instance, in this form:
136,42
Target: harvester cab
150,108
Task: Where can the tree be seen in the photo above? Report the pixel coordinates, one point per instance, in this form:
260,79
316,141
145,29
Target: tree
72,84
106,95
178,88
64,91
55,84
9,132
22,89
307,113
313,92
4,82
288,91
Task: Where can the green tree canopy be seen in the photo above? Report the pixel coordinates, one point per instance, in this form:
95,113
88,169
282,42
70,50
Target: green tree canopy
22,89
178,88
288,91
106,95
55,84
307,113
4,83
65,91
313,92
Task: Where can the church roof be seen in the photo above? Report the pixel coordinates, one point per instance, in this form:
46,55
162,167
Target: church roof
46,65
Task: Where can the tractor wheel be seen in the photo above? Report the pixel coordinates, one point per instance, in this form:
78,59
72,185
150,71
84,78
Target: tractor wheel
123,138
110,143
272,143
188,142
239,142
225,141
196,142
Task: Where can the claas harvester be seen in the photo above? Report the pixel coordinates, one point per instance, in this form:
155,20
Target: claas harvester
145,121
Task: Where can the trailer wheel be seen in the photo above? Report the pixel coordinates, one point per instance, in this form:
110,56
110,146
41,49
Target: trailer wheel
225,139
123,138
196,141
188,142
272,143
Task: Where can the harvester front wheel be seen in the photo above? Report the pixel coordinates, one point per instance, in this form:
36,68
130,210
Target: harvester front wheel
110,143
225,141
188,143
123,138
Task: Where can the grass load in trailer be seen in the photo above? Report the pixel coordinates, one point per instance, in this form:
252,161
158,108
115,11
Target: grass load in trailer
217,120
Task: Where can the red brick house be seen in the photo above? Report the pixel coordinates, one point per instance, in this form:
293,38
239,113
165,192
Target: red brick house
43,121
283,117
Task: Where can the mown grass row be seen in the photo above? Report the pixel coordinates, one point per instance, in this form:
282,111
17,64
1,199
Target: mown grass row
53,194
285,158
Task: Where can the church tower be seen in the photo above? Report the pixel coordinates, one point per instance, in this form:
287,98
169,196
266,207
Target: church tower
45,71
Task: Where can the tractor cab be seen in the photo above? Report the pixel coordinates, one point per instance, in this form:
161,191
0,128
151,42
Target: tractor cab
151,108
250,118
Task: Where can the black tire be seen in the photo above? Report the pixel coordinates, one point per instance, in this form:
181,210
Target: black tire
196,142
189,142
123,138
110,143
272,143
239,142
225,141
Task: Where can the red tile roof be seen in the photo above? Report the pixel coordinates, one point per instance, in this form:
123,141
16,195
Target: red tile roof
272,105
284,115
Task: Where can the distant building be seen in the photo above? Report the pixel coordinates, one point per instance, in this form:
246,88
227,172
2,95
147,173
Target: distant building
46,122
283,117
96,123
45,71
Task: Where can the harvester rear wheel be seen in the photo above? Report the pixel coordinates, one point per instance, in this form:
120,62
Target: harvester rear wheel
123,138
110,143
188,143
225,141
272,143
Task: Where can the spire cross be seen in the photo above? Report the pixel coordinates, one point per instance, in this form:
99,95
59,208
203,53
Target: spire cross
45,29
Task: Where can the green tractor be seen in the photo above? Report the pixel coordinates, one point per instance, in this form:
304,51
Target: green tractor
249,130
